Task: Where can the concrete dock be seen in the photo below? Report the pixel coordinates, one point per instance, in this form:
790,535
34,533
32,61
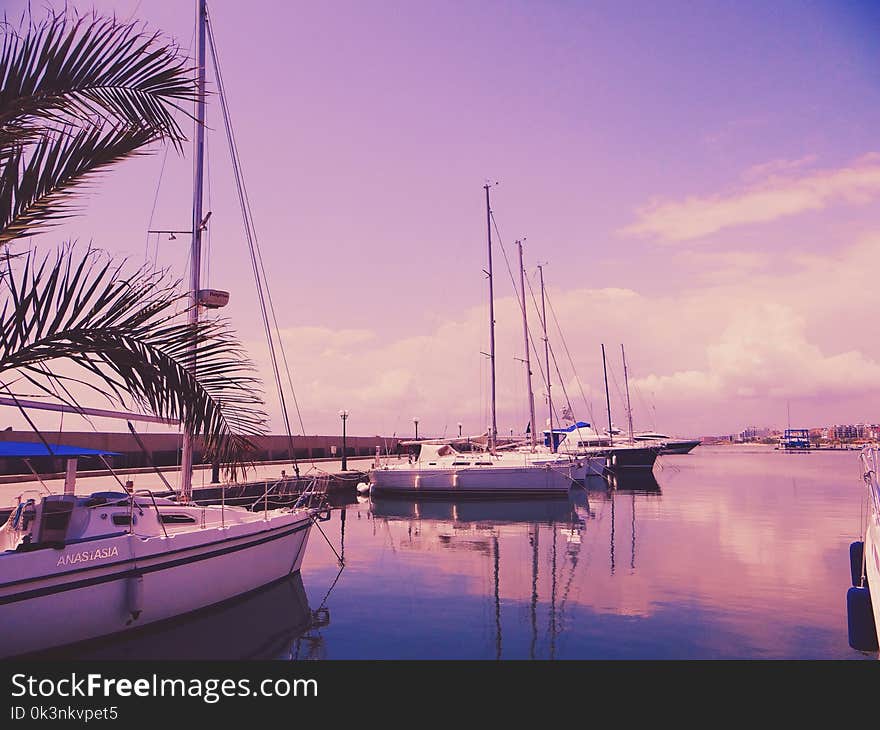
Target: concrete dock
277,476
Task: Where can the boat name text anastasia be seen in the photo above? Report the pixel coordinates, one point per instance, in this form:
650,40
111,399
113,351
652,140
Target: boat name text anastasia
87,555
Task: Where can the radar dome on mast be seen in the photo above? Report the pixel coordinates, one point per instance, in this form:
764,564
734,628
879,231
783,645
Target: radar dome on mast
213,298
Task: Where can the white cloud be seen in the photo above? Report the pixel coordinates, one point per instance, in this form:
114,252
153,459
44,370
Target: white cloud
776,194
711,358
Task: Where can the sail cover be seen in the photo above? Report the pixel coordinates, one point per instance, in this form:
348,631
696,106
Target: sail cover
26,449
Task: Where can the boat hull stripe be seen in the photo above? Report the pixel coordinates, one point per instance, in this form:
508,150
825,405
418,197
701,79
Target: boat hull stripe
128,560
116,575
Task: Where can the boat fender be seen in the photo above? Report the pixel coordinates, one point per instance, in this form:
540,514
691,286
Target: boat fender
134,590
856,554
860,619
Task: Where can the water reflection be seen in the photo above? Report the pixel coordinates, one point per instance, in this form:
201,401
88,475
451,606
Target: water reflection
722,555
542,537
636,481
272,623
609,488
530,551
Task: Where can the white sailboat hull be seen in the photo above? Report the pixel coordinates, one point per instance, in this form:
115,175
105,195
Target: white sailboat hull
476,480
54,597
872,551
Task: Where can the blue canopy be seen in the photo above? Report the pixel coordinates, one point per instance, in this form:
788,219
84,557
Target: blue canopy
579,424
25,449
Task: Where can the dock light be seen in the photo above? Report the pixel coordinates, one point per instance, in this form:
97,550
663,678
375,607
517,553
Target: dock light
459,429
416,422
344,416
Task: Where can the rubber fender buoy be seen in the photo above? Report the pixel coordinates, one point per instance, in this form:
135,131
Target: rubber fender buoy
860,620
856,553
135,595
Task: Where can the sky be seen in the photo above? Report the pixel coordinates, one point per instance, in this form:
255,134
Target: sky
699,181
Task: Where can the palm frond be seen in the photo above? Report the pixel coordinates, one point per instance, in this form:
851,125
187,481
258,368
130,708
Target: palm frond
124,332
40,189
70,66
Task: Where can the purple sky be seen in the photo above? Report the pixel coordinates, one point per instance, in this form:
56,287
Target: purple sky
700,179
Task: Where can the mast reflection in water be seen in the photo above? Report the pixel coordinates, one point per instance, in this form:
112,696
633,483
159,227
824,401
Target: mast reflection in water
498,530
716,555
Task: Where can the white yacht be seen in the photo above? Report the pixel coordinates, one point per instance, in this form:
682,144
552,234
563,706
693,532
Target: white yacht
78,567
605,453
670,444
529,470
441,469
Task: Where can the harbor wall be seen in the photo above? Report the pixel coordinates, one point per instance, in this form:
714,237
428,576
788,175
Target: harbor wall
163,449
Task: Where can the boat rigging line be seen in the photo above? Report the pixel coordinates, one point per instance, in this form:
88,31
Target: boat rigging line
553,357
549,347
629,412
545,376
547,356
516,291
493,436
149,459
259,271
587,403
608,404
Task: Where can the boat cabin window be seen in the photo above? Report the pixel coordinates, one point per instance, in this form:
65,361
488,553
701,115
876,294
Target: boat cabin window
177,519
121,519
55,519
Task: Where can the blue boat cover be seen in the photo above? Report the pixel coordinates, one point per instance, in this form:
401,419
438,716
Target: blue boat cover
579,424
25,449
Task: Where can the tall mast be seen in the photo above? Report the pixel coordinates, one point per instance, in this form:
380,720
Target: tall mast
607,399
196,249
629,412
522,288
494,428
546,356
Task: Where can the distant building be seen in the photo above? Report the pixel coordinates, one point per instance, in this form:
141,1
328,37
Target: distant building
753,433
852,432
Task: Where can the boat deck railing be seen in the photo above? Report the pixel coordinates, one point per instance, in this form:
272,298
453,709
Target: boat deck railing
870,461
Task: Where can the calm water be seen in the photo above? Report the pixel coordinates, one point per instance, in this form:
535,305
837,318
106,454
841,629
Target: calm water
728,553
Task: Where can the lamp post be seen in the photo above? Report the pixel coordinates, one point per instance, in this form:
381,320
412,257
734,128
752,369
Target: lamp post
344,416
416,422
459,429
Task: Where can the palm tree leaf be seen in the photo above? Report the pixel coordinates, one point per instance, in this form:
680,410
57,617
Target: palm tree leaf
68,66
125,333
39,190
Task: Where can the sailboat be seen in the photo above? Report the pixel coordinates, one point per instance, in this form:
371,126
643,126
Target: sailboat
75,567
439,468
584,440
